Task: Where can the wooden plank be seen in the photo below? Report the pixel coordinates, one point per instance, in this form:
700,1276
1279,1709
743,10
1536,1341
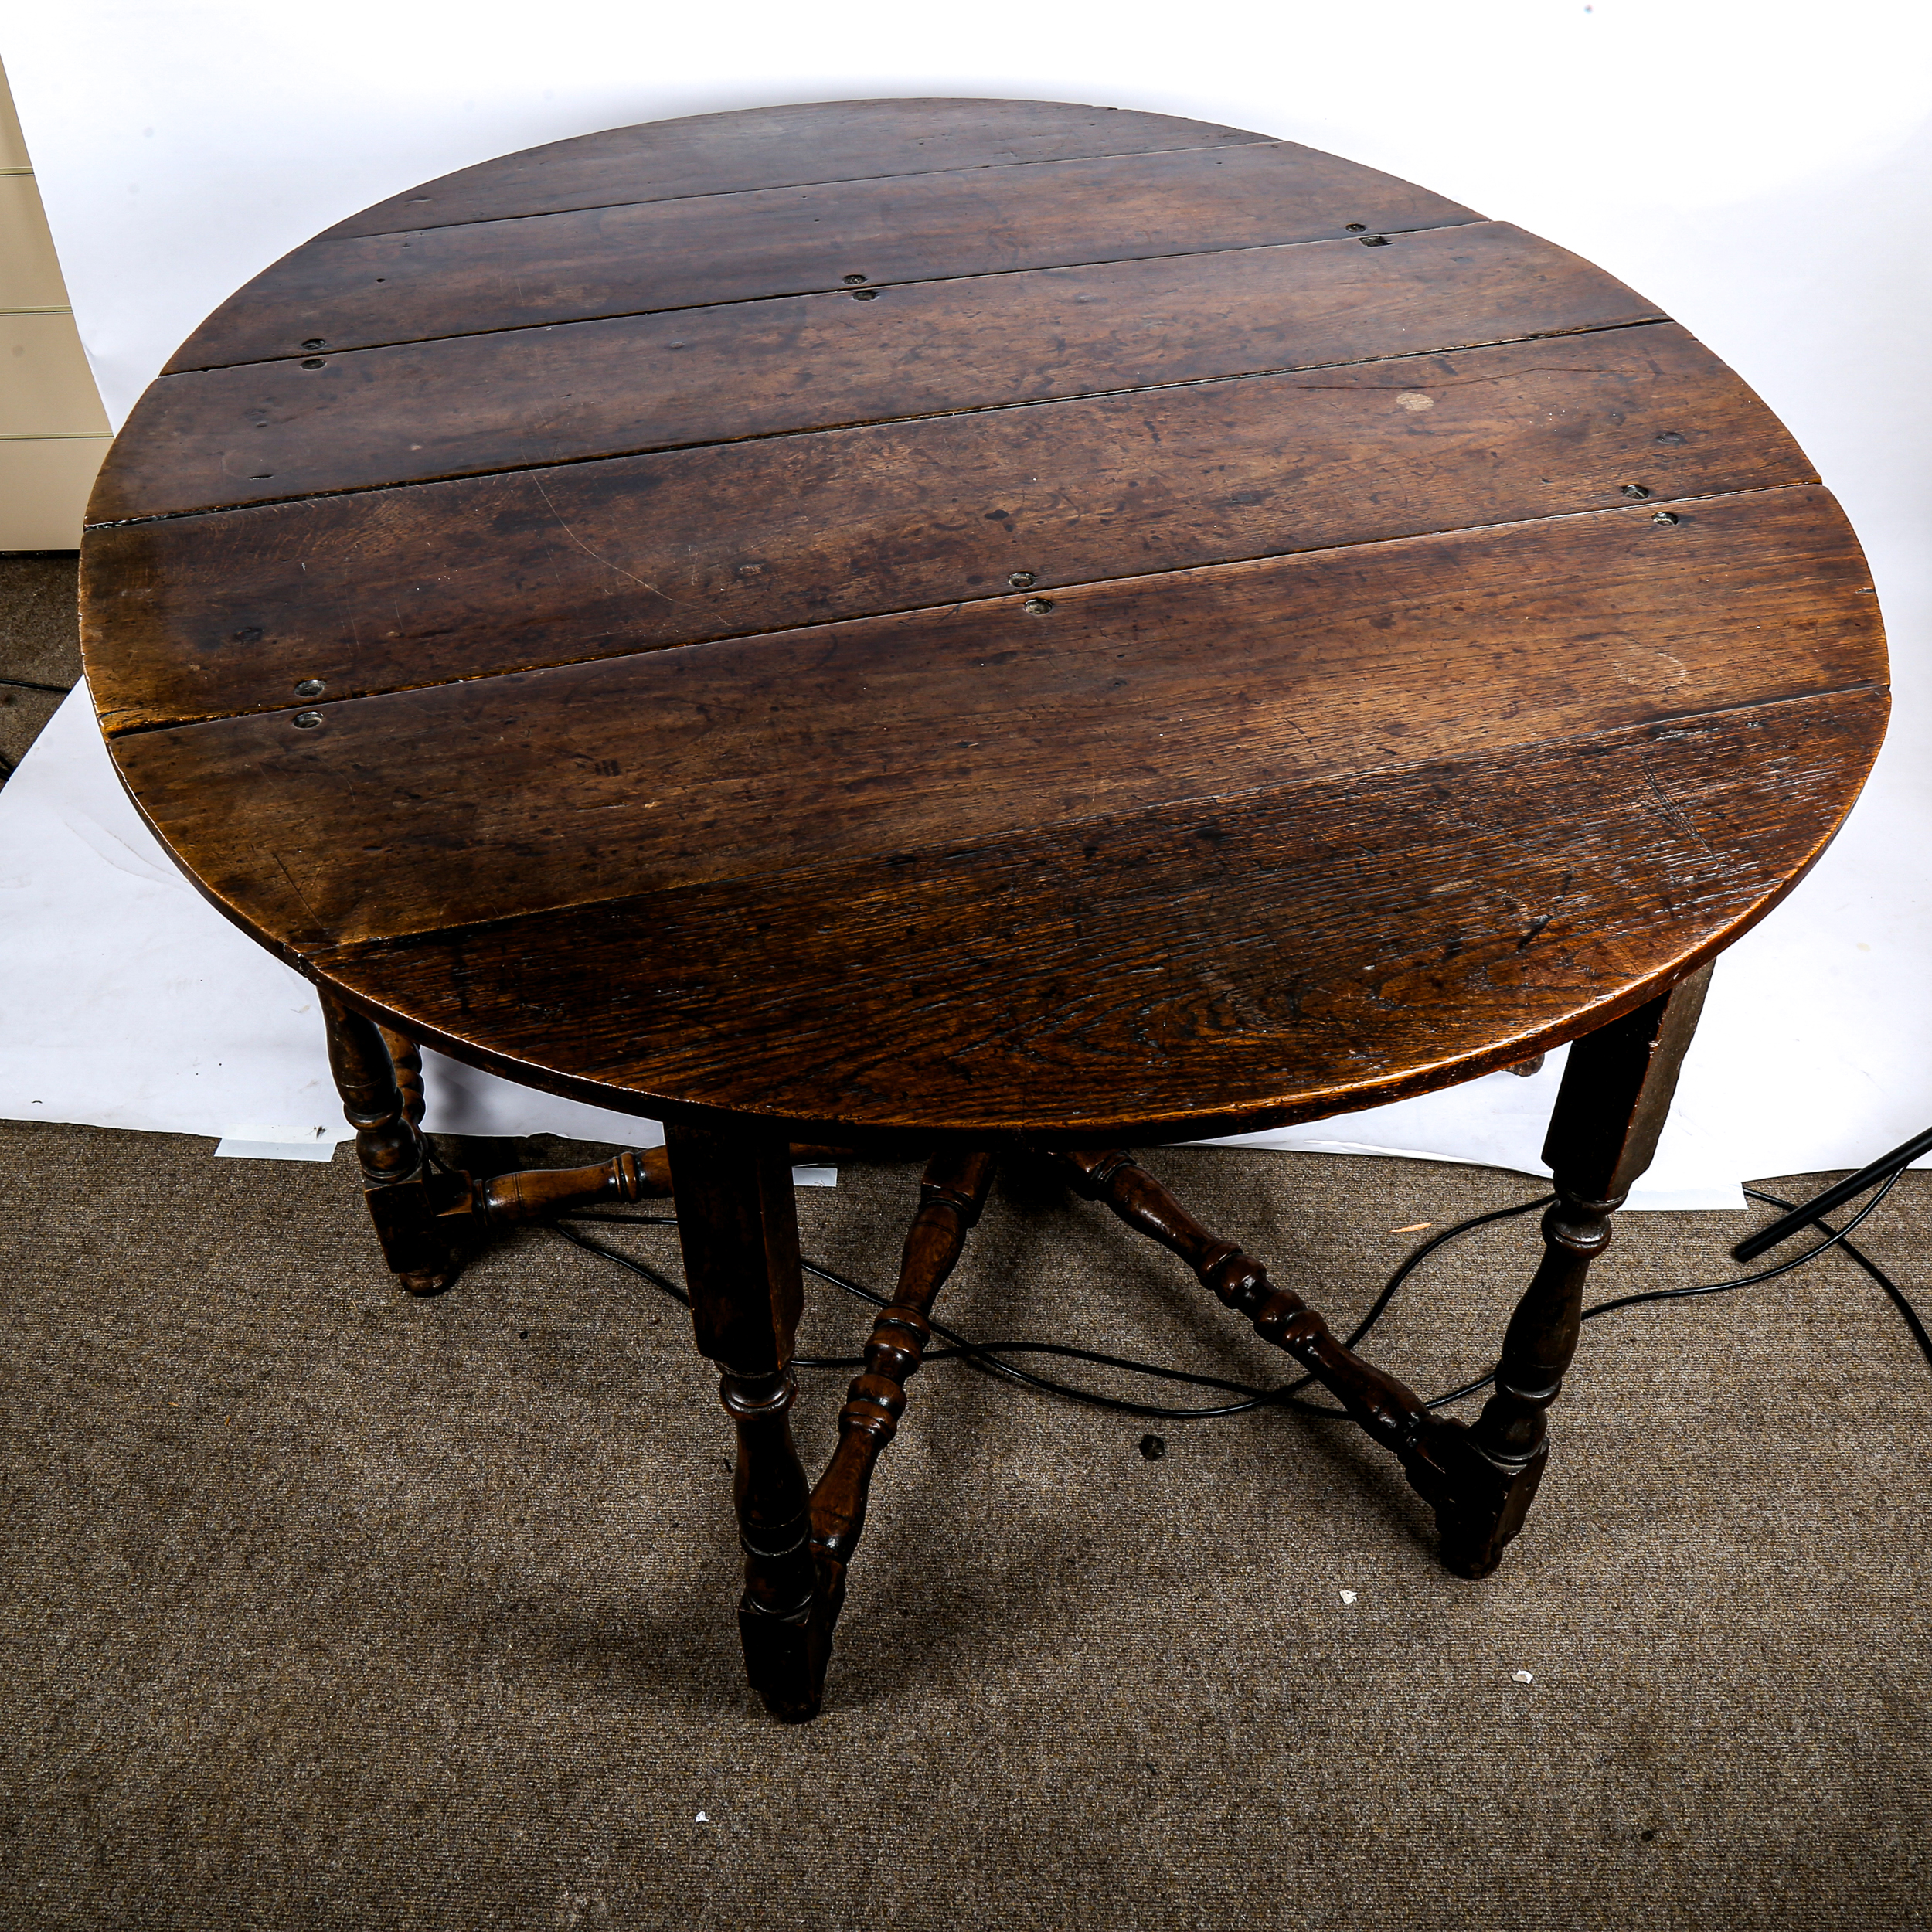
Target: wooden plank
197,616
492,797
1178,969
527,397
355,292
758,148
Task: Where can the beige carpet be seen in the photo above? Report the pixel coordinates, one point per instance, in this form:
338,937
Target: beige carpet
40,644
326,1608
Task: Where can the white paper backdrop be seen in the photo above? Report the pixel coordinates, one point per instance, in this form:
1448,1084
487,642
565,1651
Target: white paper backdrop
1763,172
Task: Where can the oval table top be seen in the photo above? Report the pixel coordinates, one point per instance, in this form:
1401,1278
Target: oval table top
981,617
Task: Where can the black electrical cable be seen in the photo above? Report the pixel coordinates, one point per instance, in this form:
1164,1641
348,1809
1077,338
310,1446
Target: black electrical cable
1893,1291
1837,1236
1745,1280
1835,1196
982,1354
989,1355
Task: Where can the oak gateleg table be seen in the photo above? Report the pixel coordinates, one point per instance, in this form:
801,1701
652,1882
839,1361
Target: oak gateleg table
1015,629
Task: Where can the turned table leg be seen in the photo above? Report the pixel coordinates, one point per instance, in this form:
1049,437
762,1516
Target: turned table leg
739,1231
951,1195
1610,1108
379,1076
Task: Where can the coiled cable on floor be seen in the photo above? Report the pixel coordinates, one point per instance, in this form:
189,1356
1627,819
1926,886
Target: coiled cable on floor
990,1357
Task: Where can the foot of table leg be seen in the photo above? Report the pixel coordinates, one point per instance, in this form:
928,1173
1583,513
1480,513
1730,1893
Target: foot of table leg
950,1198
1479,1501
379,1076
739,1237
768,1487
1481,1498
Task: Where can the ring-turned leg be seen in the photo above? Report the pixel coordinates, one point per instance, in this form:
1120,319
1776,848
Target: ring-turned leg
739,1231
382,1092
1610,1108
950,1198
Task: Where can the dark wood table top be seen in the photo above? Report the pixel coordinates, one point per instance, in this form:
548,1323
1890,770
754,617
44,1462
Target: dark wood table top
987,617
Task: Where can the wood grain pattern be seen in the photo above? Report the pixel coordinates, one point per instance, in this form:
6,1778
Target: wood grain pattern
495,797
759,147
354,292
868,720
225,612
523,398
1185,970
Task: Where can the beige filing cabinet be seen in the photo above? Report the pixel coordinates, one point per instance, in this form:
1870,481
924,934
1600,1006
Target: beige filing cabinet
53,431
